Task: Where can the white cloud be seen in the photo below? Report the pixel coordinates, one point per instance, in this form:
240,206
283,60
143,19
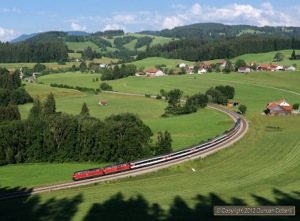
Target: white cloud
77,27
8,34
196,9
235,13
9,10
113,27
124,19
171,22
184,14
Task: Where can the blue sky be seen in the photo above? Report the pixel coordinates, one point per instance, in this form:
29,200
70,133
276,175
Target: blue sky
31,16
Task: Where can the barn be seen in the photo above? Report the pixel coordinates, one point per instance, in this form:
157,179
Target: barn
279,108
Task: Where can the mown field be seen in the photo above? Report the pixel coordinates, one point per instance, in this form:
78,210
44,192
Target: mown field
261,169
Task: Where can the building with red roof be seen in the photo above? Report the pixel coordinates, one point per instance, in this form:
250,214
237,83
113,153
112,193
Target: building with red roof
279,108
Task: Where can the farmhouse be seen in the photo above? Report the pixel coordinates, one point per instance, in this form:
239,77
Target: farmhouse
263,67
182,65
222,63
274,67
279,108
190,71
202,70
244,70
175,72
206,64
152,72
103,65
140,73
291,68
103,103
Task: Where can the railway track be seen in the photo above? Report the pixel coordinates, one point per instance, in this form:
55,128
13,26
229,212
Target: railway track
201,154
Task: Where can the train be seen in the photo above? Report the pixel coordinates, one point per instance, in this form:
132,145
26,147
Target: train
97,172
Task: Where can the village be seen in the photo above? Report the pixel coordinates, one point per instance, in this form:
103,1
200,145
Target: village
206,67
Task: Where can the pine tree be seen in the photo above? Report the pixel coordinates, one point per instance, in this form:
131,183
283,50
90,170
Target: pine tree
36,109
164,143
12,112
84,110
49,106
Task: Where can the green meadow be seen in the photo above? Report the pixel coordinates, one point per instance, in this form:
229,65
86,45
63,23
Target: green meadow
40,174
81,46
260,169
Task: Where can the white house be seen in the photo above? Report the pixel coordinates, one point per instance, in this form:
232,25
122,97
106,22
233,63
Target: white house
103,65
140,73
189,71
244,70
151,72
289,68
182,65
202,71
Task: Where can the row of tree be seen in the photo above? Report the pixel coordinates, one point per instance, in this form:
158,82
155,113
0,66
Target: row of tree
202,50
48,136
42,52
118,72
11,90
218,31
218,95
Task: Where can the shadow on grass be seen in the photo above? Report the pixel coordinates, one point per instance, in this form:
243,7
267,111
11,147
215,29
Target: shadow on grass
118,208
138,208
31,208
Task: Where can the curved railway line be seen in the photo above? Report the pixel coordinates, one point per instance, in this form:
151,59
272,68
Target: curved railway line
128,173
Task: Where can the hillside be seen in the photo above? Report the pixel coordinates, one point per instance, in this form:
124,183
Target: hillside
217,31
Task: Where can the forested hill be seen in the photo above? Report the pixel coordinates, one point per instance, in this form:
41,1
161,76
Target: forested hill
201,49
217,31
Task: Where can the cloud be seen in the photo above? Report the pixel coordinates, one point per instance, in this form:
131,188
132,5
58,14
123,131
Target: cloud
8,34
176,15
77,27
124,19
10,10
263,15
171,22
113,27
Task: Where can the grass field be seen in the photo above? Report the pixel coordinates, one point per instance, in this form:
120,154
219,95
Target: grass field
80,46
155,40
267,58
40,174
261,169
153,61
148,109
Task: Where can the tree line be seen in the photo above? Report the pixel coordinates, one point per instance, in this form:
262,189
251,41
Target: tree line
217,95
41,52
201,50
215,31
49,136
118,72
11,90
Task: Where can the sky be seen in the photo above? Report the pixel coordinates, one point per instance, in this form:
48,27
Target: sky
19,17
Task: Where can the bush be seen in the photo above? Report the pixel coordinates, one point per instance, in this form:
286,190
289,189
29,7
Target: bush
158,97
296,106
105,87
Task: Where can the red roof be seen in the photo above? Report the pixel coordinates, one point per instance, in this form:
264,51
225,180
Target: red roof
152,70
271,105
287,107
103,102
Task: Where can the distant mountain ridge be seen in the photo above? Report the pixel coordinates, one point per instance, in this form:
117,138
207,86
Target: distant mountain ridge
198,31
25,37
